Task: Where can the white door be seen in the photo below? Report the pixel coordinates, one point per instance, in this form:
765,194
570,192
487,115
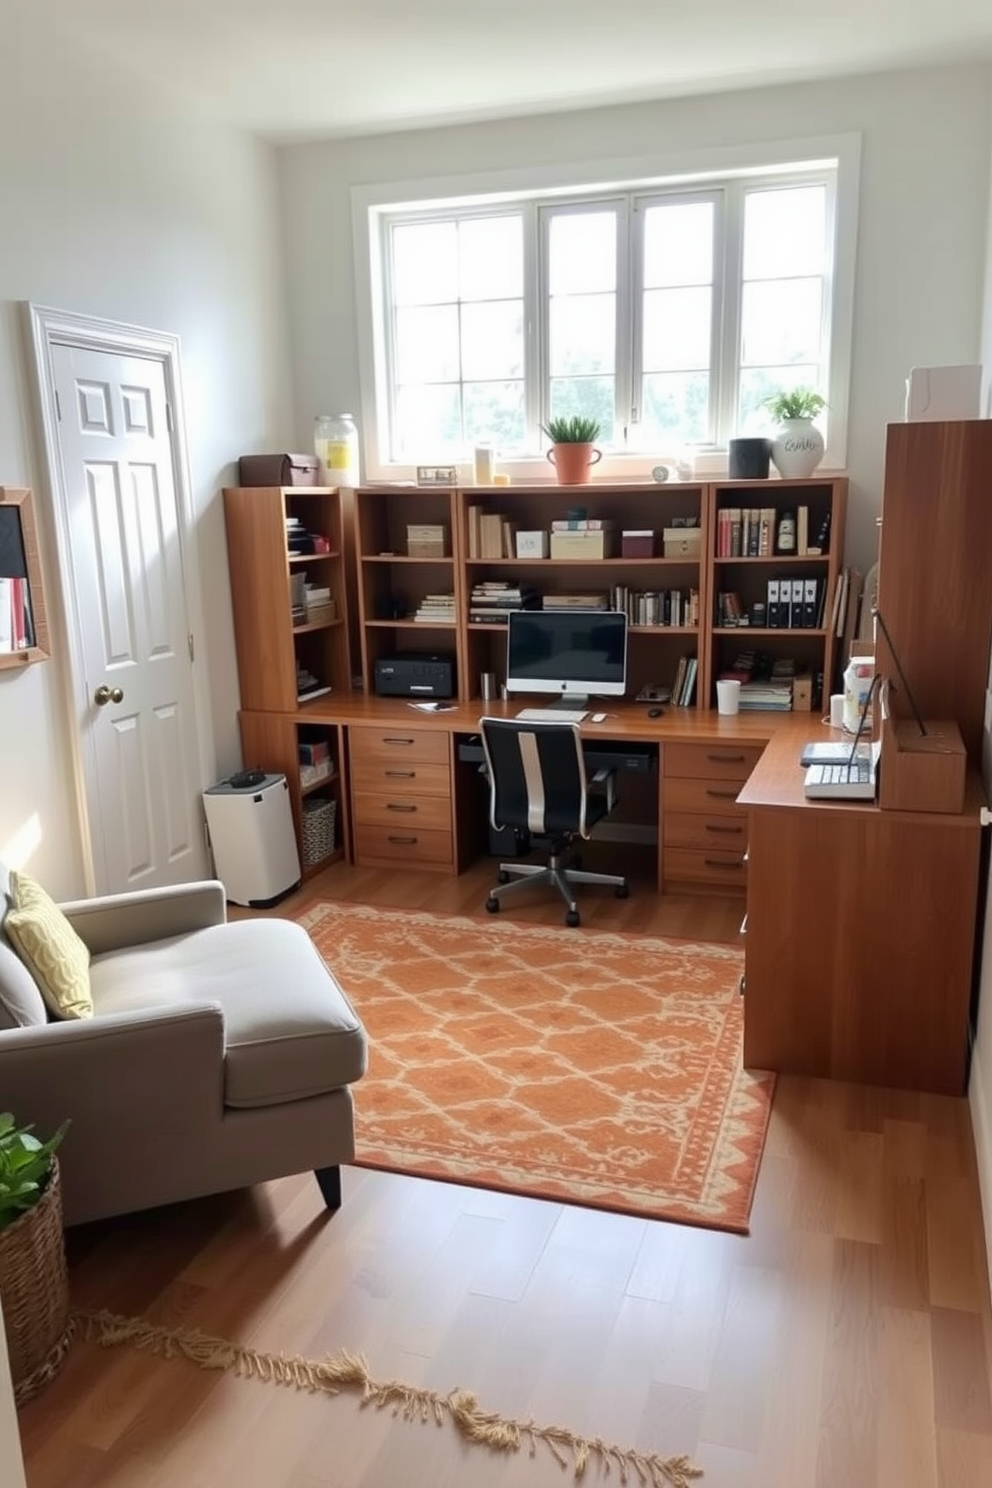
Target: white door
137,724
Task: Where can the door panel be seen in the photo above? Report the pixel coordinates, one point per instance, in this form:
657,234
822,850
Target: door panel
140,751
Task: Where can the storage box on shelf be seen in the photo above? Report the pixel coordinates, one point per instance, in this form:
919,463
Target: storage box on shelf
408,577
611,558
776,558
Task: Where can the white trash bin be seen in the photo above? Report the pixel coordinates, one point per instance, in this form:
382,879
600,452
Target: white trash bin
250,822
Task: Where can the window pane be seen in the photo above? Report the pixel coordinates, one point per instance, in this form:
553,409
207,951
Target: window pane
676,329
781,321
491,258
428,424
759,383
425,263
676,405
427,344
493,339
582,252
494,414
678,244
593,397
785,232
583,334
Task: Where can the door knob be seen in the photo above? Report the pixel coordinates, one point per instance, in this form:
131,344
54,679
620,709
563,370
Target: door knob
105,695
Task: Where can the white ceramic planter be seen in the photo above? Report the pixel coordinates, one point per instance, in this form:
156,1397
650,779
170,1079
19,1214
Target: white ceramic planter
797,448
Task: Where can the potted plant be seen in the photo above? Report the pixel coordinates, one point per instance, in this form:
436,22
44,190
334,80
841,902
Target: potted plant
572,454
797,448
34,1285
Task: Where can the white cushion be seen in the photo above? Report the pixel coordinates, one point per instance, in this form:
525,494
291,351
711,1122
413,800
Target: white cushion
290,1032
21,1003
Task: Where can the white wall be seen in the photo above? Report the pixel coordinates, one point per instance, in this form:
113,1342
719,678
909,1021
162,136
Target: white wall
924,188
11,1461
115,201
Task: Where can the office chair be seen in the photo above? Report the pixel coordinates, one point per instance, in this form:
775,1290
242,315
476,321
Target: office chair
538,783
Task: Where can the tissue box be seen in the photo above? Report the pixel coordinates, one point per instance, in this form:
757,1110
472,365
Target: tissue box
637,544
532,544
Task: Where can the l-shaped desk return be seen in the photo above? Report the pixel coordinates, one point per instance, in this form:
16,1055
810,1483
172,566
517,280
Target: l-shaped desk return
860,924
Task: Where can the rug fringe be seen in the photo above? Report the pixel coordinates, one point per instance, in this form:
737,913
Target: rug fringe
346,1371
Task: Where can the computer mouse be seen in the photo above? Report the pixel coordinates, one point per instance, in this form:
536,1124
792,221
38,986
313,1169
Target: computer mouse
655,712
598,718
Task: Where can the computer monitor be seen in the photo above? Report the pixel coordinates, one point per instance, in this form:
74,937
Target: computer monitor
573,653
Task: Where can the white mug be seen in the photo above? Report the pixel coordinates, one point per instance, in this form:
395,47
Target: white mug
728,695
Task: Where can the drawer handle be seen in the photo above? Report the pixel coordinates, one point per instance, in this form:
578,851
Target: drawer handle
730,867
402,841
728,795
743,929
400,774
727,759
396,806
724,831
387,740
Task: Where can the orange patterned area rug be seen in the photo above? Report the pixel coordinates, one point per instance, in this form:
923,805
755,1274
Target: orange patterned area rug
572,1065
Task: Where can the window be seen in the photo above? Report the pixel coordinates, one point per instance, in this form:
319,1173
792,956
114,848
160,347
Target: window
669,312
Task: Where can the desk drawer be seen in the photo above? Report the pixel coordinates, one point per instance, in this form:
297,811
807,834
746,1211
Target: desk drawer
397,844
719,833
376,745
707,866
411,776
711,761
712,797
402,812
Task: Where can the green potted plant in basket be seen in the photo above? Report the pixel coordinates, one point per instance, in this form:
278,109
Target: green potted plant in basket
34,1286
797,448
573,437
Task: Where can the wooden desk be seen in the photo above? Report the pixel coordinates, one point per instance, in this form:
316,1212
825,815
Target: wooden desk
860,934
860,922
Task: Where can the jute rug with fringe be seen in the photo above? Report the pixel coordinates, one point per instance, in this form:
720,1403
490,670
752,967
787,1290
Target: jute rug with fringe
349,1372
596,1069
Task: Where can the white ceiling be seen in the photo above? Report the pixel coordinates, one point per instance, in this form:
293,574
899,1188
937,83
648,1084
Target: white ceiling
291,69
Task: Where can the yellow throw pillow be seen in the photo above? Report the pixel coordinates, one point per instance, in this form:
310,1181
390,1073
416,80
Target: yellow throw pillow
51,950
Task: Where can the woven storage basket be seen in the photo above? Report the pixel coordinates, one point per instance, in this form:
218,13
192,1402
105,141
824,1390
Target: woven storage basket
318,829
34,1289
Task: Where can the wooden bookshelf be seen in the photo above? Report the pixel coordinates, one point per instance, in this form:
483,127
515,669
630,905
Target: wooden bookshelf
20,561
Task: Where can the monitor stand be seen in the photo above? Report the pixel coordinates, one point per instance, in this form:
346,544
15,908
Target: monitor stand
571,700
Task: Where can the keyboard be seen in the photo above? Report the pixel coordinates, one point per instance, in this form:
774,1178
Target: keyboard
841,782
550,715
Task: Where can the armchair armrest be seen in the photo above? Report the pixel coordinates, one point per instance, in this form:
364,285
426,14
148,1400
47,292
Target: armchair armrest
119,1071
117,920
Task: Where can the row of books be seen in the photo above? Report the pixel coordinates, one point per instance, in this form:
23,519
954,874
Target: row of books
672,608
755,532
300,540
684,686
492,599
791,604
490,534
306,599
16,625
766,681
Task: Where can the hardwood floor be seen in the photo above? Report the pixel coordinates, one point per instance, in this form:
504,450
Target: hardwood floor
845,1343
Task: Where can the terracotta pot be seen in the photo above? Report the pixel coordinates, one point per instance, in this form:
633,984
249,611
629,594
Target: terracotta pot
573,462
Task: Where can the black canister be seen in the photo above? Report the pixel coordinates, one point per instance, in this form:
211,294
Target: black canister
748,458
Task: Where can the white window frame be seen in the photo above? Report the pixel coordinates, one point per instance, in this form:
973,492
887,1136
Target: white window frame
657,176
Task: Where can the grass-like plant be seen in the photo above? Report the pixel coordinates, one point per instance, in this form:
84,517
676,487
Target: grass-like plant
800,403
574,428
25,1167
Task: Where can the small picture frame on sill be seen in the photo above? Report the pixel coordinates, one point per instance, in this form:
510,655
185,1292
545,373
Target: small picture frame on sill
437,475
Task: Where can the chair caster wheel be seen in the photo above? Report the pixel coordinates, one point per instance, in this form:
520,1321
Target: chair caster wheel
492,904
572,918
622,891
502,876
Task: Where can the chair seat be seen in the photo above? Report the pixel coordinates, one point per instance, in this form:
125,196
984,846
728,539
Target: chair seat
290,1032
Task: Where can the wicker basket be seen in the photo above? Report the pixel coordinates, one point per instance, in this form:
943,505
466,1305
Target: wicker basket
318,829
34,1290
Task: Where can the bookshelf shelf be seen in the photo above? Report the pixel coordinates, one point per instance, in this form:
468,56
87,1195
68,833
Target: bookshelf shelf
410,624
766,631
300,559
772,560
405,558
313,625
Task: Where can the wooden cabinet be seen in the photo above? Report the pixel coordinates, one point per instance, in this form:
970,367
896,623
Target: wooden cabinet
704,831
402,798
23,614
933,572
749,571
280,645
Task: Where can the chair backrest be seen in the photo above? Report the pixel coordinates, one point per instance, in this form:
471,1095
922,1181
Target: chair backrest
537,775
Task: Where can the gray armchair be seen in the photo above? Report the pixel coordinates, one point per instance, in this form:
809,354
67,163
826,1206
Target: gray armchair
220,1054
